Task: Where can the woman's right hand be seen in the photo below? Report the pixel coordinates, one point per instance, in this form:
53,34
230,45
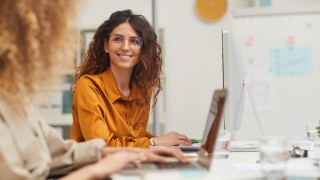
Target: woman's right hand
172,139
108,165
119,157
115,162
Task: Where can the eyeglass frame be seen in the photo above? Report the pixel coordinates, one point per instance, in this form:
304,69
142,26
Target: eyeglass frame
129,38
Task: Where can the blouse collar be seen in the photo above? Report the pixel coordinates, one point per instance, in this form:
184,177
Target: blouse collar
112,89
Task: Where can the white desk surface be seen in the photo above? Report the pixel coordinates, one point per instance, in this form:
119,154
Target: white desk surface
239,165
243,165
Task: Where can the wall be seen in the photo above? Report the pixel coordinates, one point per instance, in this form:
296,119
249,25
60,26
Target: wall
192,53
94,12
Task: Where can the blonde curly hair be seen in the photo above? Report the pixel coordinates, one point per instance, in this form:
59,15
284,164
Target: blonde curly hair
36,38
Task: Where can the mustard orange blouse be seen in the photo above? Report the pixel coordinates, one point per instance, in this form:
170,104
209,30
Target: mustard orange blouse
99,110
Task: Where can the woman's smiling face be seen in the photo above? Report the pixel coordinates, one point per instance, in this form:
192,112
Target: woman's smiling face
124,47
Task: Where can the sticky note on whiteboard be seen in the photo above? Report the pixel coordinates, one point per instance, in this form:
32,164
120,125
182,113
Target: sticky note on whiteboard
291,61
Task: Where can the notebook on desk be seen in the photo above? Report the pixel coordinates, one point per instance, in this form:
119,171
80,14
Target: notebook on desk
205,150
244,146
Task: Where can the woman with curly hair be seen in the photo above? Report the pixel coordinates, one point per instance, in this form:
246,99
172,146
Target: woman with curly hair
36,40
113,86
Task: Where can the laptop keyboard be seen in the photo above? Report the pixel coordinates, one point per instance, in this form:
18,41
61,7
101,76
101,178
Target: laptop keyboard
175,165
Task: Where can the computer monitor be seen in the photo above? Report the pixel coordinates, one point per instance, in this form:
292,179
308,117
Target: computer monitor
233,81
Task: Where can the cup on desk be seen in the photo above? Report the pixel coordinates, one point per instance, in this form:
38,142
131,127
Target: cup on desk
313,135
223,144
311,131
273,156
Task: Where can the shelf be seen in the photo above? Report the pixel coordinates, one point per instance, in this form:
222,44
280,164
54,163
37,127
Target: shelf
267,11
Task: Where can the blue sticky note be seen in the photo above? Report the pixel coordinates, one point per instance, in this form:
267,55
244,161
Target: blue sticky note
291,61
265,3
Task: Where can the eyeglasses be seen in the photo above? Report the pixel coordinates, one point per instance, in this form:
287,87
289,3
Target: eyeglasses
134,42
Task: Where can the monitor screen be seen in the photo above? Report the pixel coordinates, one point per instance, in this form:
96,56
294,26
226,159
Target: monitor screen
233,81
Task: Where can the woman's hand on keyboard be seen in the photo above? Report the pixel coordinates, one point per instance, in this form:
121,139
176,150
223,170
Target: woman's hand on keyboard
172,139
164,155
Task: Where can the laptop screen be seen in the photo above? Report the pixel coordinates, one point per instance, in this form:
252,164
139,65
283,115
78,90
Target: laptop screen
212,127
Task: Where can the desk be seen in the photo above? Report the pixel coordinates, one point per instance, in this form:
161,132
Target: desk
243,165
224,168
239,165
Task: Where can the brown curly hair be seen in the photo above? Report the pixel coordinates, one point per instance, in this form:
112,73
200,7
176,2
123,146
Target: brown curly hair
36,38
147,74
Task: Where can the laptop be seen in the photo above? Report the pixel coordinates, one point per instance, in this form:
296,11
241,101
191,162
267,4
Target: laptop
213,110
205,150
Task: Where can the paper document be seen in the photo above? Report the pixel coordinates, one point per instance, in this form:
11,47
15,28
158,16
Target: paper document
239,146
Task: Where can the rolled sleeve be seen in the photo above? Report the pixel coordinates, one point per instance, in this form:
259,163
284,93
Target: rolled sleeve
88,152
149,134
143,142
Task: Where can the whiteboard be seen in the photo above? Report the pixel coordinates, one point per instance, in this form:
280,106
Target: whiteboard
281,53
